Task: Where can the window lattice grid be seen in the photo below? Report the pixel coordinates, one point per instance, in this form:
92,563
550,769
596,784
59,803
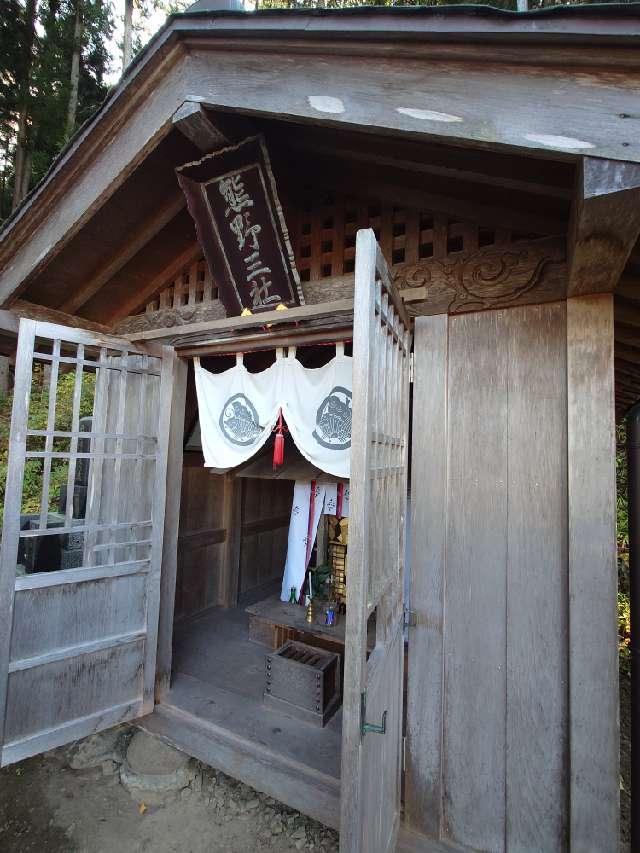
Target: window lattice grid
325,235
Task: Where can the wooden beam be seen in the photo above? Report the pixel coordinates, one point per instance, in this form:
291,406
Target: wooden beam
627,353
628,335
627,311
340,309
458,164
136,241
604,226
402,189
101,162
9,322
593,577
192,120
22,308
629,287
208,135
139,299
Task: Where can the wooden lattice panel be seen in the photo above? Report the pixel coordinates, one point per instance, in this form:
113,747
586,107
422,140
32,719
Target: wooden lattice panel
433,258
192,287
325,236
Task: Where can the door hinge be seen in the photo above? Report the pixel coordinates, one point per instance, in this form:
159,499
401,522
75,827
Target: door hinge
370,728
410,618
411,368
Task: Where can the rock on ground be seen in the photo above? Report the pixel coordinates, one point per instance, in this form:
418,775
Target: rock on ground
45,804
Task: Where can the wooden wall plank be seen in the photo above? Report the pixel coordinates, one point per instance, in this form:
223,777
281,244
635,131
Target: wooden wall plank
475,630
49,618
423,787
537,605
593,662
175,456
72,688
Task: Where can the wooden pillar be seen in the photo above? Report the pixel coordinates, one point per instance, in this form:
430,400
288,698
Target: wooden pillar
593,640
171,525
423,794
232,522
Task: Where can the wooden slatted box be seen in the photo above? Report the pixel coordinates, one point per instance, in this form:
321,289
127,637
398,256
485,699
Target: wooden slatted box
303,681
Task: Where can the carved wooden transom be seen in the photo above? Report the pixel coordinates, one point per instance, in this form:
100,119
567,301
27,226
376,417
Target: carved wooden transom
441,264
324,237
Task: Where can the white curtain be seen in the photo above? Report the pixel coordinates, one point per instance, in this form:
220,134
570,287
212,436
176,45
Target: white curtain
303,527
238,410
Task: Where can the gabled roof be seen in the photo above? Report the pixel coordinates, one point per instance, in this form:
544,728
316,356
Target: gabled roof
465,75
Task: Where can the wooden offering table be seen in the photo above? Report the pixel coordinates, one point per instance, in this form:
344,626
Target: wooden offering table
272,622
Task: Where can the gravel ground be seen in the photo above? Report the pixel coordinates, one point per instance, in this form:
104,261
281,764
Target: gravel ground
47,806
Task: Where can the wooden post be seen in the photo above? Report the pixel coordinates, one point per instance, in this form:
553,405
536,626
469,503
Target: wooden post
593,659
171,524
423,788
232,523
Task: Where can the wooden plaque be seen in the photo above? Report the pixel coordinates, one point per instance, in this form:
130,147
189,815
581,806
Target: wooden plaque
232,197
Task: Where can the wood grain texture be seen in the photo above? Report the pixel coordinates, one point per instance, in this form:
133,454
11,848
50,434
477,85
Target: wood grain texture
490,562
83,641
58,617
175,456
265,770
536,583
371,763
423,781
72,688
13,501
593,664
475,629
605,224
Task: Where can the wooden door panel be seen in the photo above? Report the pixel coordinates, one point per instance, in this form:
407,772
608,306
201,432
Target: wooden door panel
372,711
78,621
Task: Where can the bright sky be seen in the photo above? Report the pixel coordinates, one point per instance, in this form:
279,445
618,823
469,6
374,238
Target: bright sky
150,25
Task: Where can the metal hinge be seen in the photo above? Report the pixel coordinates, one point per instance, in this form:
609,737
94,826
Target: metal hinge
370,728
410,618
411,368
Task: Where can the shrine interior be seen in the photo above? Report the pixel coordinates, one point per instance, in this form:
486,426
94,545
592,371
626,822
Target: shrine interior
228,616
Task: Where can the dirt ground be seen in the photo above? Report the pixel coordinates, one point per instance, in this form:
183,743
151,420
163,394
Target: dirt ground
46,806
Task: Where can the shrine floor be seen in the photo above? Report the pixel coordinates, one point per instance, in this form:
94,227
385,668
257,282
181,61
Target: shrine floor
218,677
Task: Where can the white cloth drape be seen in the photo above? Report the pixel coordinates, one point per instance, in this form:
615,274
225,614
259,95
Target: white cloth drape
302,534
303,528
238,410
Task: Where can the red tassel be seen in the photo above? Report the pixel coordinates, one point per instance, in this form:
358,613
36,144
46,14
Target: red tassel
278,445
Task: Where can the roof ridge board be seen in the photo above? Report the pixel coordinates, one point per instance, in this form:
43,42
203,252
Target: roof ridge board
454,10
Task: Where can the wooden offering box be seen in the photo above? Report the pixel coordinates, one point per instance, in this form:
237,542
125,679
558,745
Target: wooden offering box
303,681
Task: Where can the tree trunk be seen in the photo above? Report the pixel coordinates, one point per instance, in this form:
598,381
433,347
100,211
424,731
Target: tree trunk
72,107
22,157
128,34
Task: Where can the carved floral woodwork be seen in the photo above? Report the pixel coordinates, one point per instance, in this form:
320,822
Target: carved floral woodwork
489,278
166,318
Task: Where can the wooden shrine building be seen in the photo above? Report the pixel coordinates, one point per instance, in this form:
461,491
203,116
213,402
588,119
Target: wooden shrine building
461,190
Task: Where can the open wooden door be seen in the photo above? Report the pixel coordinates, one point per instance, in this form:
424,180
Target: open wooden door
372,707
80,563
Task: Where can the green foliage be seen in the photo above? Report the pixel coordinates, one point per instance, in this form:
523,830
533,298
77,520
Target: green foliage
38,416
622,519
47,78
